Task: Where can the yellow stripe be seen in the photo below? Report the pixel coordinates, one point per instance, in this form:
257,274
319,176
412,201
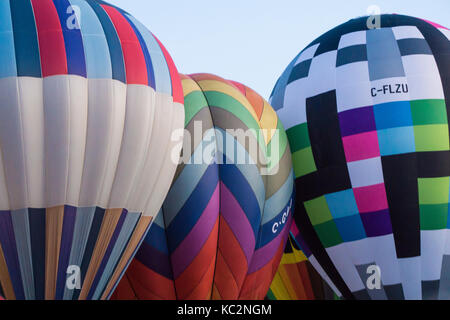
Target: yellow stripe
189,86
269,121
214,85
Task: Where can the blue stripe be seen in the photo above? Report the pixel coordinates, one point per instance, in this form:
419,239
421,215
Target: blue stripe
37,235
76,62
25,39
115,48
189,214
148,60
266,234
108,252
65,249
9,247
92,240
235,181
156,238
8,67
163,80
98,63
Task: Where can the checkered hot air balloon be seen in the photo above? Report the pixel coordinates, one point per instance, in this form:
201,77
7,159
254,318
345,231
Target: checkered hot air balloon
224,224
366,110
88,102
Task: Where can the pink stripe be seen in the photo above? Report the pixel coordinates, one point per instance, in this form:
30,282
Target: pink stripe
177,89
186,252
237,220
435,24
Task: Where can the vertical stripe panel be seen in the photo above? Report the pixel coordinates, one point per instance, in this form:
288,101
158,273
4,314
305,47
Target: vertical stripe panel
163,82
22,235
54,224
5,279
76,62
8,67
66,245
36,217
136,69
9,247
177,89
25,39
124,237
98,61
145,51
114,45
101,269
51,41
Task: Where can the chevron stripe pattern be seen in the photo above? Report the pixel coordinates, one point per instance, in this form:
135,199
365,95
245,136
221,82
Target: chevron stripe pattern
223,226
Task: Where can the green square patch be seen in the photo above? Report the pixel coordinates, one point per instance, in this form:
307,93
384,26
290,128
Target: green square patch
328,234
433,216
430,111
318,210
431,137
433,190
303,161
298,137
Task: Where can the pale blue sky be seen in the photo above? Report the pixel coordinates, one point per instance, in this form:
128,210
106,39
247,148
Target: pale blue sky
252,41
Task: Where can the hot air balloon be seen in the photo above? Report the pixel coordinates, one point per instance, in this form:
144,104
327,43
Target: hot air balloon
296,278
223,226
89,99
366,112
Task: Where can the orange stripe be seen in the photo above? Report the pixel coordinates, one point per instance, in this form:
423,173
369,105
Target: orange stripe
5,279
135,239
109,224
54,224
148,284
196,281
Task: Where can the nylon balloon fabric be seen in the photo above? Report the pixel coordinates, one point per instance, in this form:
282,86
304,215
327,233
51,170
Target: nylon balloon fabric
88,101
296,278
366,112
223,226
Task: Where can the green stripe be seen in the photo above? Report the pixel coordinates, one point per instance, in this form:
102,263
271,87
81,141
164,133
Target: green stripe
281,138
228,103
193,103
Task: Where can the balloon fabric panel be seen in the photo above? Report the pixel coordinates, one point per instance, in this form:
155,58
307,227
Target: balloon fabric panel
370,144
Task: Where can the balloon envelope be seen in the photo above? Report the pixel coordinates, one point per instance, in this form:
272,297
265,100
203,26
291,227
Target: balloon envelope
296,278
88,101
224,224
366,111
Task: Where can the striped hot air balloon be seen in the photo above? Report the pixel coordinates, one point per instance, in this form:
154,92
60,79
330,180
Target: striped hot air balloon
296,278
367,115
88,102
223,226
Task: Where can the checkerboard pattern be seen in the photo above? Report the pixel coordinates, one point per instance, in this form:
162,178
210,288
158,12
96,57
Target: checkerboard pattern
366,113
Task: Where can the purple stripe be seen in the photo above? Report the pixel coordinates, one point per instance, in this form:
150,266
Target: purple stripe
155,260
357,121
8,241
265,254
112,242
65,249
191,245
237,221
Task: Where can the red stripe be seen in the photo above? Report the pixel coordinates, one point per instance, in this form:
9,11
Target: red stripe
177,89
136,68
51,40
